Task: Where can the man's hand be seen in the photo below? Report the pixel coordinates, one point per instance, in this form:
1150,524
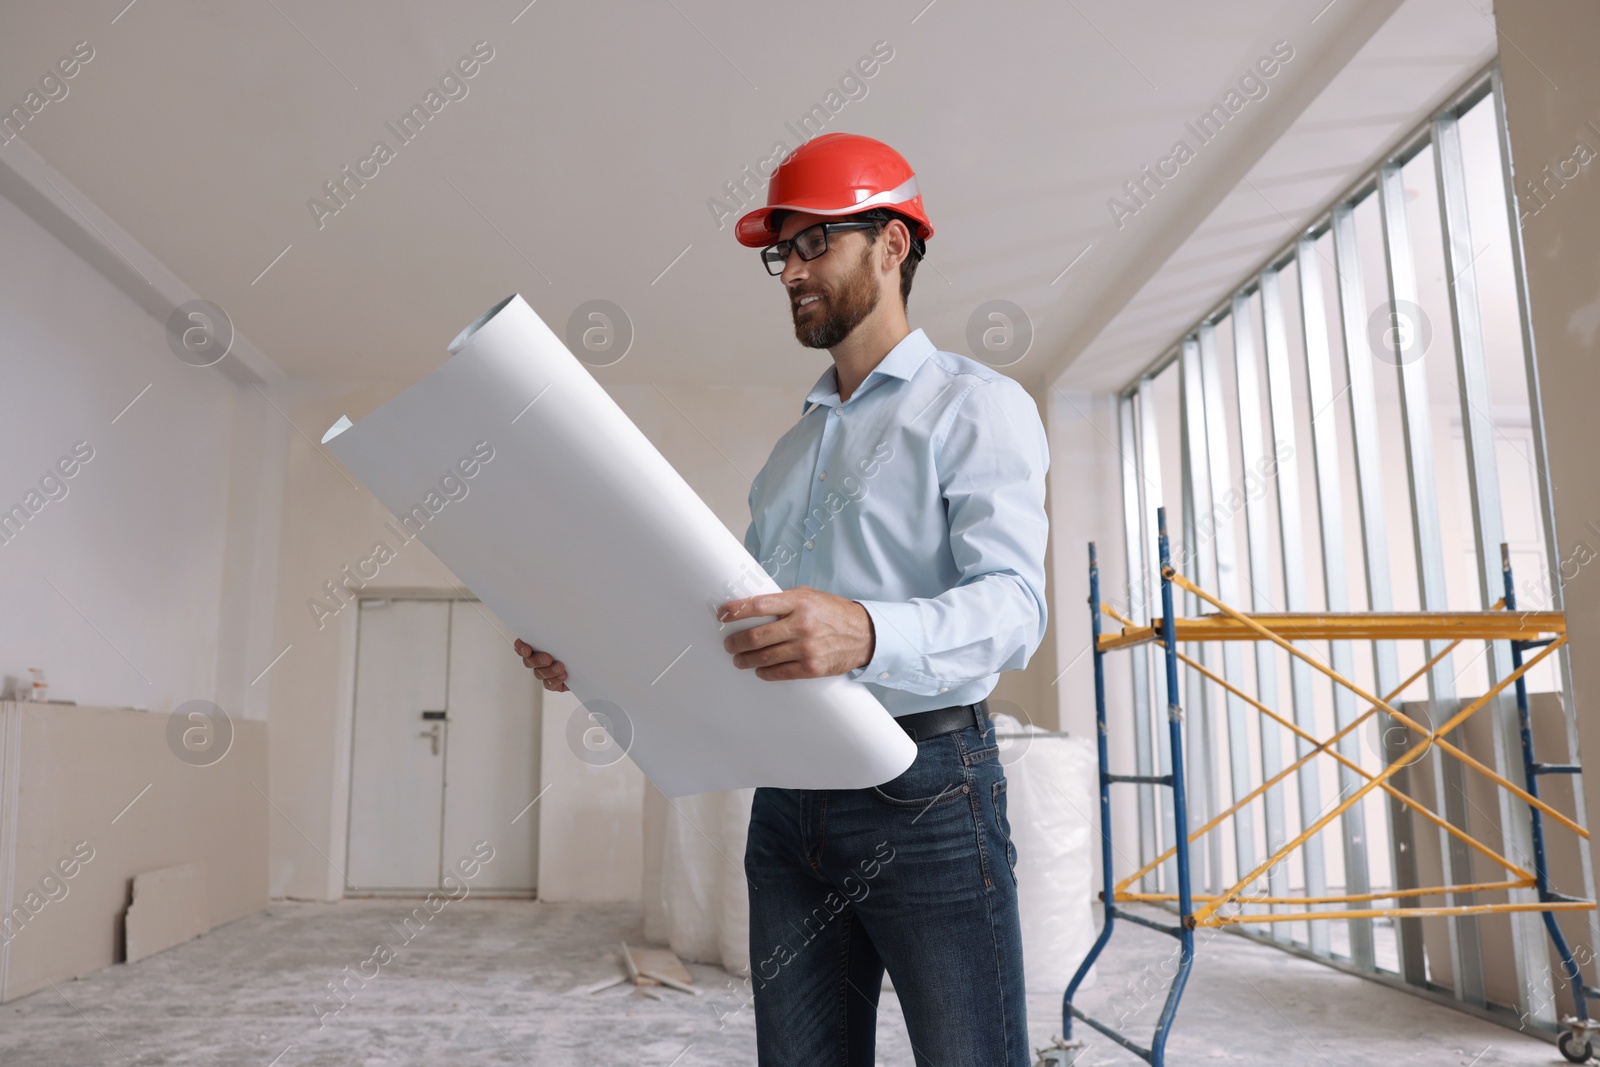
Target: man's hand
816,635
549,670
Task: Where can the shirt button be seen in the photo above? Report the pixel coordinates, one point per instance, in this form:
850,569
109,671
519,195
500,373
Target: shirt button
822,475
883,676
811,544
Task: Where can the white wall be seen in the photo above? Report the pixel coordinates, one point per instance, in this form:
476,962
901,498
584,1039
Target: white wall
145,583
1086,492
125,589
1555,47
591,817
328,522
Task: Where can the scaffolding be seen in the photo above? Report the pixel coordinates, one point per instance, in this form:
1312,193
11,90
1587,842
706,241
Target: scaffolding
1540,632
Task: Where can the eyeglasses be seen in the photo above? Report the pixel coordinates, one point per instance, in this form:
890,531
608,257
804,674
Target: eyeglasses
810,242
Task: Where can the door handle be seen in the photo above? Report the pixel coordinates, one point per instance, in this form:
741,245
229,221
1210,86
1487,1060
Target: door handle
435,735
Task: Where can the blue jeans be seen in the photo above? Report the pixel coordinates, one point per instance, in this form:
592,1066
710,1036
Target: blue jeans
917,876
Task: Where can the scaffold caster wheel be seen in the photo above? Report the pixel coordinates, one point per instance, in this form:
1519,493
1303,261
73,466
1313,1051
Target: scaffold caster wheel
1574,1046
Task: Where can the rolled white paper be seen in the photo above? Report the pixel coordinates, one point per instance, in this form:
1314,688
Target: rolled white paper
524,477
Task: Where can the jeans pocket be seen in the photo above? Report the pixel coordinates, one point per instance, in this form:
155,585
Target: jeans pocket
936,777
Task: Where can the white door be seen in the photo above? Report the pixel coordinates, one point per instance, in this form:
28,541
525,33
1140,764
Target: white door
397,774
445,749
491,771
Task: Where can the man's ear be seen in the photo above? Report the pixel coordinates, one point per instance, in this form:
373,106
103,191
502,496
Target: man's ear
902,238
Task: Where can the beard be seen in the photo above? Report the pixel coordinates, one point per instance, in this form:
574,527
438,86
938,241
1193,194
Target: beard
838,312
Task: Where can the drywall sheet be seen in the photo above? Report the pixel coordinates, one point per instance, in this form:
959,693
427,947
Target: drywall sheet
65,772
517,469
169,907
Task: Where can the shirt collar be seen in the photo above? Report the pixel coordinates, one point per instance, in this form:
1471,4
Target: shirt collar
902,361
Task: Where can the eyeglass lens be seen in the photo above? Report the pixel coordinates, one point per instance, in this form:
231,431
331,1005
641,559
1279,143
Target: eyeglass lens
810,242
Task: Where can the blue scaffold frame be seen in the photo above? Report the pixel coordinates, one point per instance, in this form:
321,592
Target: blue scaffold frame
1184,930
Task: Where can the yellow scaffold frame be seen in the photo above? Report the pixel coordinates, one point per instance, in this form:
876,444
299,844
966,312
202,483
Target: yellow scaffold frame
1525,631
1233,625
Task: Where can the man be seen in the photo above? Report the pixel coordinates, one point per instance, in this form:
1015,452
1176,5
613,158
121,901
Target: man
903,516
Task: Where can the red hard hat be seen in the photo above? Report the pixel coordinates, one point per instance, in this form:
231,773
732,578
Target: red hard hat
837,174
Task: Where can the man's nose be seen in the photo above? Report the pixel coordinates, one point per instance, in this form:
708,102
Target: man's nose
794,270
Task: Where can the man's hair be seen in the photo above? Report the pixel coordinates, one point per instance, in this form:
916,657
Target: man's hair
880,217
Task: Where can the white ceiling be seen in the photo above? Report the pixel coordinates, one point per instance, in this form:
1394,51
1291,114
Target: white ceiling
582,160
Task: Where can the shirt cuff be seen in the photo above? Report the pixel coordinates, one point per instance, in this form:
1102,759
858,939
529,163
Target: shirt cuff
895,657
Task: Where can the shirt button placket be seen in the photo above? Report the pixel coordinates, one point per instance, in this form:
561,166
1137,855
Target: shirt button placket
814,502
804,569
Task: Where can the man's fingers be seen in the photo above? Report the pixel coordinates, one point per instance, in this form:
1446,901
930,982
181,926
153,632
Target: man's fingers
768,633
770,655
761,604
543,664
549,670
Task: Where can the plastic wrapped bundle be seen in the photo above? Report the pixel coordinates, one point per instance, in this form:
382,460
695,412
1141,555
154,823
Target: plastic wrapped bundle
1050,790
703,895
691,881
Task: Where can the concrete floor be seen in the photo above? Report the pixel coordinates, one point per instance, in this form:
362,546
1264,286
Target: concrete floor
483,983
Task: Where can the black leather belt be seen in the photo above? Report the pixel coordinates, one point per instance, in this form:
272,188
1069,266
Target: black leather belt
925,724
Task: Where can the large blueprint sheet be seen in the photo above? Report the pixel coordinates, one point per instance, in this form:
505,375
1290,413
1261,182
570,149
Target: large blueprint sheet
522,475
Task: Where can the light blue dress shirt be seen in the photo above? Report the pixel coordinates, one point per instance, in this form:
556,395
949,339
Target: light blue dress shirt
921,498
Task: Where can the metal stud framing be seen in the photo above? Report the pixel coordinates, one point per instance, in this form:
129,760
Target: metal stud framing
1330,512
1217,527
1199,563
1281,408
1483,488
1211,557
1363,405
1150,461
1138,610
1256,457
1416,420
